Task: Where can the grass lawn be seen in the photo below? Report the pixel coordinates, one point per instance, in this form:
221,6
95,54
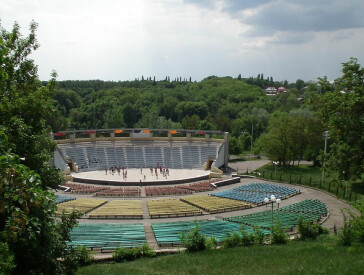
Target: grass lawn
322,256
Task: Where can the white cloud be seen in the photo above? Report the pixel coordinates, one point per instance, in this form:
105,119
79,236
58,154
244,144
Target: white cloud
119,40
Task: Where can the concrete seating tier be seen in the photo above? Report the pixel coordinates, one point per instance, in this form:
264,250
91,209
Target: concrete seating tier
120,192
119,209
257,192
60,198
307,206
199,186
166,190
106,237
214,204
83,205
283,191
288,215
99,155
85,189
169,234
167,208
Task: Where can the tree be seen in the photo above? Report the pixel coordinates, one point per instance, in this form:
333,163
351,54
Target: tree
343,114
292,137
27,208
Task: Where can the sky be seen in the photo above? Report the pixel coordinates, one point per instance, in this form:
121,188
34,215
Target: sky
125,39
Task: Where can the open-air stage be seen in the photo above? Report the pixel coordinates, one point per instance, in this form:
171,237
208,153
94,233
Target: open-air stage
141,177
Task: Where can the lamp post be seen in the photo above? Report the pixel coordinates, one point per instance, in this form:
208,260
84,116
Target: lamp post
272,200
325,136
275,168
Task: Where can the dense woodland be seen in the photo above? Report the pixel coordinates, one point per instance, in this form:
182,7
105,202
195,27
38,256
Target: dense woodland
236,105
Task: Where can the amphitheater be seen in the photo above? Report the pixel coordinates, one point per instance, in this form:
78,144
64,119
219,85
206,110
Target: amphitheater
140,185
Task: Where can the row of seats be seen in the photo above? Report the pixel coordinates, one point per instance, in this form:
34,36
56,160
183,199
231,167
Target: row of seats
169,234
269,188
201,186
257,192
85,188
178,154
288,216
165,190
108,236
307,206
119,209
60,198
171,208
214,204
82,205
120,192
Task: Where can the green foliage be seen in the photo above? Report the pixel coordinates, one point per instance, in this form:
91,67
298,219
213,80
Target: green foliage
232,240
211,243
234,146
122,254
193,240
309,231
76,257
278,235
126,254
247,239
258,235
290,137
343,112
6,259
146,251
27,208
346,235
354,227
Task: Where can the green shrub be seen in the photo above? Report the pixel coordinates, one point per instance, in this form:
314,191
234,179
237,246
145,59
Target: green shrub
122,254
357,221
346,235
193,240
258,235
247,239
278,235
232,240
146,251
210,243
308,230
6,259
76,257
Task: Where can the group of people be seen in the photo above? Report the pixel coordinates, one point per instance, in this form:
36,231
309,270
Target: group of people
112,170
162,170
153,170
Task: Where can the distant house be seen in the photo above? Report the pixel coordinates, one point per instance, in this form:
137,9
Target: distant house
271,91
281,90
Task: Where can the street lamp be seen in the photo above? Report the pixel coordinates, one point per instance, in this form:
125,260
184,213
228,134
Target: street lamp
272,200
275,169
325,136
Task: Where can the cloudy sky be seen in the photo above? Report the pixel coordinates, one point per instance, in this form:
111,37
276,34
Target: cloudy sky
123,40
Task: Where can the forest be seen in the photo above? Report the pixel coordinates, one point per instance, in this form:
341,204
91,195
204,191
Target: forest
236,105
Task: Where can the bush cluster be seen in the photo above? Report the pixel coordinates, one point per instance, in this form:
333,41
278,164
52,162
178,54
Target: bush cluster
244,238
278,235
128,254
308,230
78,256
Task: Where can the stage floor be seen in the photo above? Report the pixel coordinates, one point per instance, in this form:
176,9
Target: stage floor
137,176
